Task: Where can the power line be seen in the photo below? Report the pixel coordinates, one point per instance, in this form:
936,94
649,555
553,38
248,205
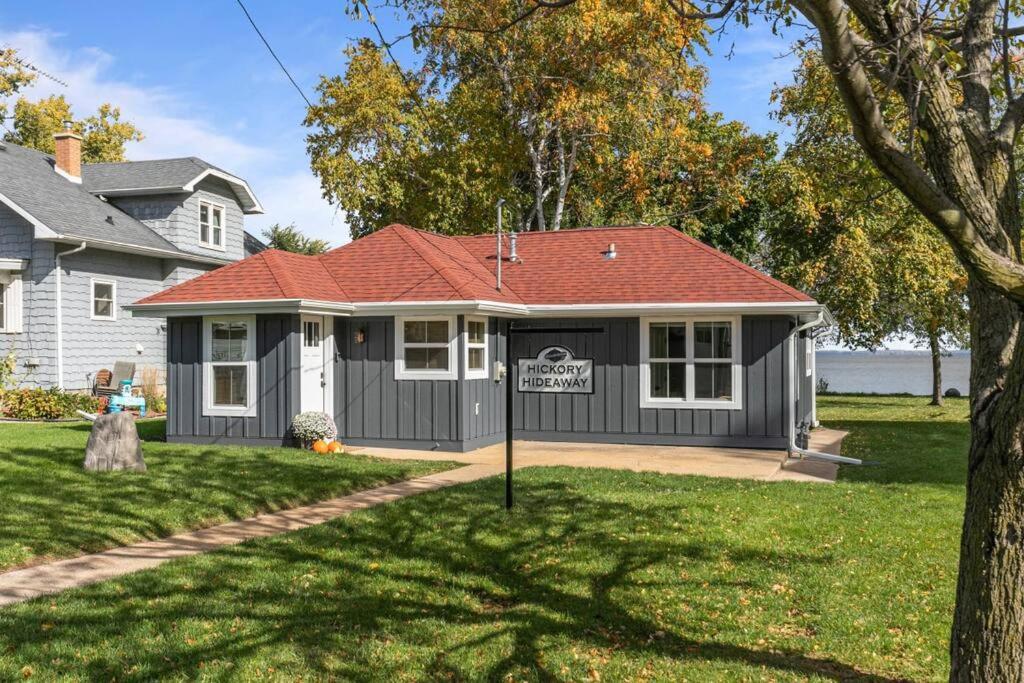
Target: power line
32,67
272,53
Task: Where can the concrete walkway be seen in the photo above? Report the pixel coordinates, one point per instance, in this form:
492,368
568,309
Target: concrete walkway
24,584
737,463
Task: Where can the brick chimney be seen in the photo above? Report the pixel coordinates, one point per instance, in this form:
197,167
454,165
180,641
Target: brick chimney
69,153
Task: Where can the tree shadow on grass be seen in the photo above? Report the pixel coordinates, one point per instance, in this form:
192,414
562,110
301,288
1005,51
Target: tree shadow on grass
50,507
442,585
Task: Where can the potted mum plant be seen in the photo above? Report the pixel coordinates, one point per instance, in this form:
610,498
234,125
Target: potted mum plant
312,426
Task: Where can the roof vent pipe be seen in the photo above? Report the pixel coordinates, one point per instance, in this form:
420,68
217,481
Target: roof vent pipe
498,258
512,255
611,253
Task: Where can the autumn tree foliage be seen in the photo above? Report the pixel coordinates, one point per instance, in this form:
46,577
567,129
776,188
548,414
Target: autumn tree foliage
32,123
104,134
838,229
950,148
586,117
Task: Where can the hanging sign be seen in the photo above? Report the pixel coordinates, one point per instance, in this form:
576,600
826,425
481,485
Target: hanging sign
556,371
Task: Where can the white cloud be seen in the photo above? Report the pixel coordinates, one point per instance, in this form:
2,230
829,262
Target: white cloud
275,165
159,113
296,199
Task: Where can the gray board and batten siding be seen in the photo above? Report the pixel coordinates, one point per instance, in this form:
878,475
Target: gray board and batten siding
373,408
278,369
612,414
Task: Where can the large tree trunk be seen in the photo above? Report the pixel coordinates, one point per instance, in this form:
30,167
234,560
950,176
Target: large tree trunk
936,350
988,628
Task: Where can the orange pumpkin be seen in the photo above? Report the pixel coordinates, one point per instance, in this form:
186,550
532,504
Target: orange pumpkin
336,447
321,446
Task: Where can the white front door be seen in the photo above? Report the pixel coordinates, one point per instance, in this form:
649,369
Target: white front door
315,368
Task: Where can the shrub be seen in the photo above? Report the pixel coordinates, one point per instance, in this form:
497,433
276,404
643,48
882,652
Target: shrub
822,386
43,404
152,391
310,426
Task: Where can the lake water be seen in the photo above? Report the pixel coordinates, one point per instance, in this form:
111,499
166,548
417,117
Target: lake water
891,372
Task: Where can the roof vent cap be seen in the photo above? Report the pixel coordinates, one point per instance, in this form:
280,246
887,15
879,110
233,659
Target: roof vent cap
110,219
611,253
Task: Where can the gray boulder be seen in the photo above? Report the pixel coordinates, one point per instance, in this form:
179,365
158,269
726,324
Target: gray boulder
952,392
114,445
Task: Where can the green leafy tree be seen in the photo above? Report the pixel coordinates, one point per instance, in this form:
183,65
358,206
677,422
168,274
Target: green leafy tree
835,228
289,238
950,148
574,120
104,135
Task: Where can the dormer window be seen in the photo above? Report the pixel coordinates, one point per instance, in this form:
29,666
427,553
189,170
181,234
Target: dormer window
211,225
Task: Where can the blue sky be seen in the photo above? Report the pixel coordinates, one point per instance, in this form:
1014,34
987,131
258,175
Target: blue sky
197,80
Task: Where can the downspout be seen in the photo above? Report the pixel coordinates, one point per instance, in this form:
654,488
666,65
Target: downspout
59,312
794,450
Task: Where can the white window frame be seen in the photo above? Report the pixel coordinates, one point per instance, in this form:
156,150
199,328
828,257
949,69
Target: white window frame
223,224
209,408
92,299
476,373
453,365
691,403
10,293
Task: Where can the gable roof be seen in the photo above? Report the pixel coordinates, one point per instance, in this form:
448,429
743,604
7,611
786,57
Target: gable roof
162,176
65,210
653,265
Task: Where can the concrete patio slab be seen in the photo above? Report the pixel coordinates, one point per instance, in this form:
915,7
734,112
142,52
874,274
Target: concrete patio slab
737,463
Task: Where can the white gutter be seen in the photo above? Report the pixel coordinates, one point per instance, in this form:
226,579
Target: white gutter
109,245
60,312
794,450
502,308
163,310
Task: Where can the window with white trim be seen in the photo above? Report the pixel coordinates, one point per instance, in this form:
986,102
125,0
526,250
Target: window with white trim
476,348
690,363
425,348
229,367
10,302
211,225
104,299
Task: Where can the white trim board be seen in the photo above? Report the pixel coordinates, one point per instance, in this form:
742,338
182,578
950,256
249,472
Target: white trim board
470,307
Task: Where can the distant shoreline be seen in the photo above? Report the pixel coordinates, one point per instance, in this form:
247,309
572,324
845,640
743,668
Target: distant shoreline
892,352
890,372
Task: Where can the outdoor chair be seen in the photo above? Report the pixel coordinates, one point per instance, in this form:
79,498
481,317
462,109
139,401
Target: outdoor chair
123,370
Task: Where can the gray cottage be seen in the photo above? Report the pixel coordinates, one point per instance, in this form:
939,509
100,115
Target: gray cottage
80,241
413,339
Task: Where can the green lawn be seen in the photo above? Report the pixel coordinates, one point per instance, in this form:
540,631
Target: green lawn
597,575
50,507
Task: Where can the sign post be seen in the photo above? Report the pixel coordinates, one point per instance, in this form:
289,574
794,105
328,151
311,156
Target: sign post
555,370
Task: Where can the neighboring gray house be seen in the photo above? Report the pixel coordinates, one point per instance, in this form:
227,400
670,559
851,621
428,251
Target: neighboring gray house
79,241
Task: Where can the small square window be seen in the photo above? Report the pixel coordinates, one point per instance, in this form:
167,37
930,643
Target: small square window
424,349
230,386
104,300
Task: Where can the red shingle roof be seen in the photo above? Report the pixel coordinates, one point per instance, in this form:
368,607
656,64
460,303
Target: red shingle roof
400,264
